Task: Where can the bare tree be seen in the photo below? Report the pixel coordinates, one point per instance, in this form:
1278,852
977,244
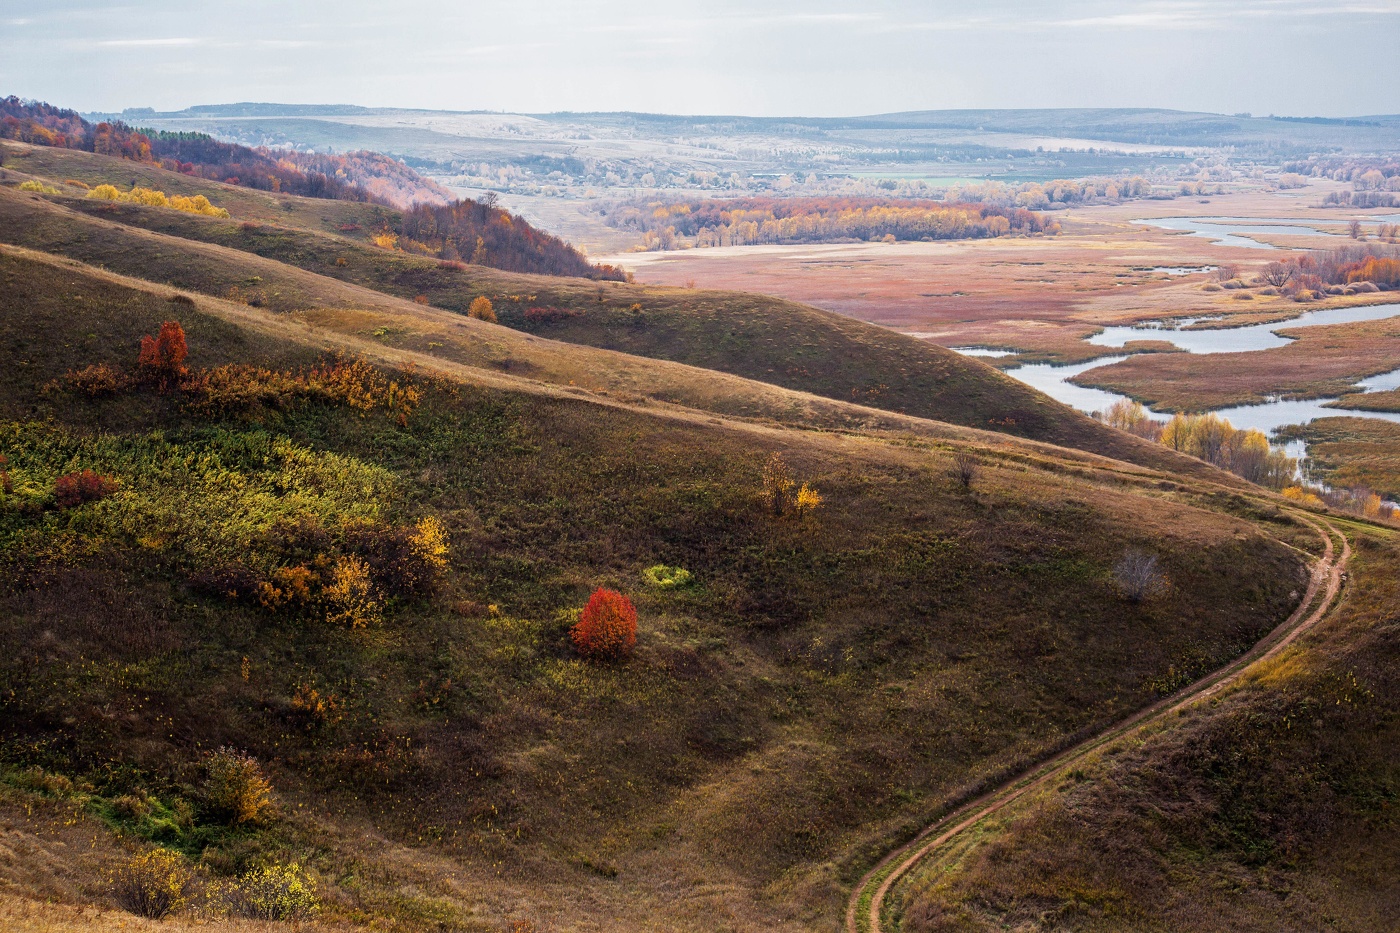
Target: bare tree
1138,576
1226,272
1354,228
965,468
1278,274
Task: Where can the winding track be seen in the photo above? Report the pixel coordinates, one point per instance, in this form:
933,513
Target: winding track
1326,577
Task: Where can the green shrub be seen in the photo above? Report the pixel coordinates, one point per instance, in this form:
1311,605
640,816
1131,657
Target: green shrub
43,782
667,578
131,807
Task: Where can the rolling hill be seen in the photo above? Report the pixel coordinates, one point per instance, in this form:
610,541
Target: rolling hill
1272,807
350,542
771,340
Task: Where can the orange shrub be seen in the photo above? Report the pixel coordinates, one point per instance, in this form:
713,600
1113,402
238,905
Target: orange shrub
1374,269
235,789
99,380
72,489
481,309
162,359
607,629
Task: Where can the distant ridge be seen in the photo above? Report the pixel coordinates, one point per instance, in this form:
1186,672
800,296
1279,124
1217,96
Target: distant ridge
1135,125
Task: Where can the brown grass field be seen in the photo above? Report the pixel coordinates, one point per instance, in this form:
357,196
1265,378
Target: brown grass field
1042,297
1270,808
1346,452
826,683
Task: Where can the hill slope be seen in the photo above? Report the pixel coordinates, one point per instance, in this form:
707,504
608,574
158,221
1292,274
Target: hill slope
760,338
487,234
441,755
1272,808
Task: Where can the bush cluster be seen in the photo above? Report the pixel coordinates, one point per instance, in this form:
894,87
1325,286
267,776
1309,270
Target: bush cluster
781,492
241,389
543,315
198,204
482,310
161,362
667,578
274,892
347,574
73,489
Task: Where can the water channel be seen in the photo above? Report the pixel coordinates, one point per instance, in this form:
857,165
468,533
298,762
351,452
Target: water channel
1054,379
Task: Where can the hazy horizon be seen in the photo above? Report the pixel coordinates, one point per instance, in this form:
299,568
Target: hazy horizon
815,59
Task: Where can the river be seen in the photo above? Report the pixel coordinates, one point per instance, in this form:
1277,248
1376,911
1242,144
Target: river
1053,379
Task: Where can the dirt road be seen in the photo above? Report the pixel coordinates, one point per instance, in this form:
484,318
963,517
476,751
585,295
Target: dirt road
1324,584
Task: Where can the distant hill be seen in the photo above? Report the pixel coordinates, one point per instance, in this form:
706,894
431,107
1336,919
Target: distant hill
1141,125
189,153
434,221
771,340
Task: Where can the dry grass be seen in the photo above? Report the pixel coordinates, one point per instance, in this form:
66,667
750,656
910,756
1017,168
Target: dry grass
1270,809
243,203
1372,401
18,915
1345,452
820,689
927,382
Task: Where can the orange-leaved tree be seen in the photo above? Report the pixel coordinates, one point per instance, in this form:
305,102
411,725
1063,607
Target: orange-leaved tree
162,359
607,629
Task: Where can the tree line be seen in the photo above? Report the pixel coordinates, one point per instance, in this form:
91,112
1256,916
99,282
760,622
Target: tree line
479,232
1349,265
1211,438
749,221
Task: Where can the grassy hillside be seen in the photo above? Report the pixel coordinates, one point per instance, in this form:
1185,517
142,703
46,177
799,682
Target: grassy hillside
246,203
1272,808
760,338
823,683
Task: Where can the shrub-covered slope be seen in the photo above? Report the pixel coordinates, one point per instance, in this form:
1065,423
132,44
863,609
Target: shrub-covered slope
442,756
482,232
760,338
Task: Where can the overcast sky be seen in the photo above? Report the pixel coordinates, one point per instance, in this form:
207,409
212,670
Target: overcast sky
806,57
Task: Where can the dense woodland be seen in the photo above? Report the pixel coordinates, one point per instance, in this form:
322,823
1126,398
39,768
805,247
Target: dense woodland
748,221
483,234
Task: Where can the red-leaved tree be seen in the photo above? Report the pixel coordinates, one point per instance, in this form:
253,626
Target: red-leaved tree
607,630
162,360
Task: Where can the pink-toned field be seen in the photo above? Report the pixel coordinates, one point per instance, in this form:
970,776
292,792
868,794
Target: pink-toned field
1038,295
